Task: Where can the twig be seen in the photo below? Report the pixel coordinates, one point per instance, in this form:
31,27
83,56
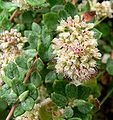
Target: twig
25,80
11,111
14,14
29,72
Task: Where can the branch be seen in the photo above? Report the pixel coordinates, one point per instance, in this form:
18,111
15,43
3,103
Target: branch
11,111
24,82
14,14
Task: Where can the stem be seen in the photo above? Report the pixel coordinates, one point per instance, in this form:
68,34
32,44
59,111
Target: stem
24,82
11,111
14,14
106,97
98,22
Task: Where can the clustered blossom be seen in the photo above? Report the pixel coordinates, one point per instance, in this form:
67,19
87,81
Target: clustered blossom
103,9
75,49
11,43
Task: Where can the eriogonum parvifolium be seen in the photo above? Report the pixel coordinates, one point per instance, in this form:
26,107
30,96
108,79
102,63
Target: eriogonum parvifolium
75,49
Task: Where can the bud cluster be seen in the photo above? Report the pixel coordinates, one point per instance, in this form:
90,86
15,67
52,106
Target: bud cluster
75,49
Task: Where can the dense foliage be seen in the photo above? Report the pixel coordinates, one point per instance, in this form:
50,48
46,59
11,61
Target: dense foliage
56,59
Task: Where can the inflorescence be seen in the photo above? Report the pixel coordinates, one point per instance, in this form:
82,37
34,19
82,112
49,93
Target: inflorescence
75,49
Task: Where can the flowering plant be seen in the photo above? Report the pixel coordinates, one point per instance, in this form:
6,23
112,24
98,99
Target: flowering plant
52,60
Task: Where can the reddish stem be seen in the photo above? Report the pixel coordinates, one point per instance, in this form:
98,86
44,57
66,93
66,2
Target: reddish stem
14,15
11,111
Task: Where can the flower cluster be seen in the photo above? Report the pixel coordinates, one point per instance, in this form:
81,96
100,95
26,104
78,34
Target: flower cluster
103,9
75,49
11,43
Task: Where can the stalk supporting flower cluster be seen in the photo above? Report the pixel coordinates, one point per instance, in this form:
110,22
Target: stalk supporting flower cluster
75,49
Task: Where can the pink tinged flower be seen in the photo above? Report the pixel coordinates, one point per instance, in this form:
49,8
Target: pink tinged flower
69,21
77,50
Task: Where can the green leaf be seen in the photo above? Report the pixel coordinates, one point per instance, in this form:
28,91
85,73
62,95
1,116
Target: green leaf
59,99
83,106
51,20
83,92
30,53
49,88
33,92
23,96
104,29
51,77
59,86
46,37
28,104
71,9
68,112
10,6
3,105
39,64
56,2
71,91
11,70
36,78
63,14
57,8
18,87
21,61
35,2
7,80
18,111
33,39
109,66
36,28
9,96
27,17
97,33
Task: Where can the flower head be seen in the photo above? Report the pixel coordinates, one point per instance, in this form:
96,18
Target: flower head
76,49
11,43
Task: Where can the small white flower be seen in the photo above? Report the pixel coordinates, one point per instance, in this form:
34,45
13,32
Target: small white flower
105,57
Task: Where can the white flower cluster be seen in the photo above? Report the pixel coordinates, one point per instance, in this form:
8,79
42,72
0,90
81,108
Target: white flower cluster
103,9
11,43
75,49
